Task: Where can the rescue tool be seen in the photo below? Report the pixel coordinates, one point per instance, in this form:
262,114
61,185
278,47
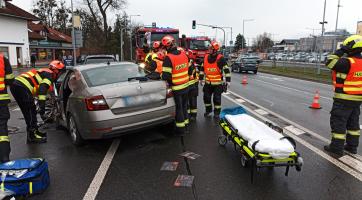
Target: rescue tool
260,144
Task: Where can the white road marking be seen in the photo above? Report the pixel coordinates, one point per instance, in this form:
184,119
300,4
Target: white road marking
352,162
240,100
16,109
261,111
294,130
316,150
297,90
94,187
271,103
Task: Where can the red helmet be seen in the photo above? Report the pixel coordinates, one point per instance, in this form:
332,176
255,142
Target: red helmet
56,65
168,41
215,46
156,44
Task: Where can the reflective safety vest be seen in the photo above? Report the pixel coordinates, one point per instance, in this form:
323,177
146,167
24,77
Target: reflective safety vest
2,73
35,78
159,66
212,72
351,88
180,70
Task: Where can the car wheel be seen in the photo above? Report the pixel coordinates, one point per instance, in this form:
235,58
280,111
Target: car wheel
73,131
255,72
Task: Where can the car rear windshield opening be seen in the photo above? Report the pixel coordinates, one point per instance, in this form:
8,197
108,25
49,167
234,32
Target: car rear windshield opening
111,74
99,60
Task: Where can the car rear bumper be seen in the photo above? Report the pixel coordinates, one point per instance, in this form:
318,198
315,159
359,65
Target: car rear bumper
98,128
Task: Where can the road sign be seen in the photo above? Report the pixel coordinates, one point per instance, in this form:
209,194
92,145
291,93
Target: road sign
193,24
78,38
153,24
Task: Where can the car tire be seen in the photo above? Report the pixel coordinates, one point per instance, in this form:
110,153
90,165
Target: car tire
75,136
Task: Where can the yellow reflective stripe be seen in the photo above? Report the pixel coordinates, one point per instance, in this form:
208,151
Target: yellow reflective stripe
213,83
38,78
2,187
354,133
4,139
187,121
237,140
46,81
180,87
180,80
213,76
339,136
207,104
351,89
332,64
30,187
351,60
180,74
194,81
4,97
353,82
2,78
25,82
341,75
42,97
217,107
332,56
38,136
2,86
180,124
348,97
9,76
225,67
193,110
228,75
167,69
248,151
277,160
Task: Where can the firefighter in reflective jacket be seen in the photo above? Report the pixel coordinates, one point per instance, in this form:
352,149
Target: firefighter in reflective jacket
6,78
153,54
193,91
213,67
30,84
155,66
346,66
175,70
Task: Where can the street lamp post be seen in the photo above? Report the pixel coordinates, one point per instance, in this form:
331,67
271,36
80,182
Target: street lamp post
322,38
73,35
130,34
245,20
231,28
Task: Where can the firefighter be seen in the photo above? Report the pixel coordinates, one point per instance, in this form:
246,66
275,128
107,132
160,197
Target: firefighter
213,67
6,79
155,66
193,91
346,66
153,54
175,70
30,84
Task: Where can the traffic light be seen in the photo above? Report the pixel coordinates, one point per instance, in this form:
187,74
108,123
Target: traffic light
193,24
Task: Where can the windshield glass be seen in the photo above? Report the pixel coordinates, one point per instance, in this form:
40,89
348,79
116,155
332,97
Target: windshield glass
250,61
111,74
199,44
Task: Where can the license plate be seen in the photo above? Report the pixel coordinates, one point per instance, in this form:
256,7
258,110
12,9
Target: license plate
141,100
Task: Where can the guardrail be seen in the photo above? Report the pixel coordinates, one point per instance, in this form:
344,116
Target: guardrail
270,63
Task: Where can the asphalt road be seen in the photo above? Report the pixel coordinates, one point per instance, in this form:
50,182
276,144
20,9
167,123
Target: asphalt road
134,171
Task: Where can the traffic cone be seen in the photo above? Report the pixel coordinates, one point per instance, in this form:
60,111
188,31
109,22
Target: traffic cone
315,104
245,80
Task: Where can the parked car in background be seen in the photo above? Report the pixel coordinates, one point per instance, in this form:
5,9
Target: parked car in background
245,64
107,100
92,59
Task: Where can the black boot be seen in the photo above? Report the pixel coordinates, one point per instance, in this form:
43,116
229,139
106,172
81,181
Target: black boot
35,136
4,152
350,149
336,146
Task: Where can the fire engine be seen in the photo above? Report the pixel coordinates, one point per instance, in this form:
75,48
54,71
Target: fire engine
145,36
196,47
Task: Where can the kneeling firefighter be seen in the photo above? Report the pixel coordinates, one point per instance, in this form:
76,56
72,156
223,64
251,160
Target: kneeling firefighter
6,79
346,66
35,83
213,67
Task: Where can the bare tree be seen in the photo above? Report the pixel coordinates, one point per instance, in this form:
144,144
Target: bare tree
99,9
263,42
45,10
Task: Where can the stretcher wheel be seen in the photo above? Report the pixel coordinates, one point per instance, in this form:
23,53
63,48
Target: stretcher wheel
222,139
244,160
299,165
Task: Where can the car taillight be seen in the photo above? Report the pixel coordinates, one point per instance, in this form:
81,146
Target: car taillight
96,103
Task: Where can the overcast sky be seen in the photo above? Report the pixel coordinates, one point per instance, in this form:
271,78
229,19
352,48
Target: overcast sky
282,18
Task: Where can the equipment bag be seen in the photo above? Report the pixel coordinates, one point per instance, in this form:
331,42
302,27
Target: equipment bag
24,177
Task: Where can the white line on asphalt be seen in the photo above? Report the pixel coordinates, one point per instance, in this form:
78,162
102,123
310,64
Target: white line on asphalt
94,187
321,153
261,111
294,130
297,90
271,103
352,162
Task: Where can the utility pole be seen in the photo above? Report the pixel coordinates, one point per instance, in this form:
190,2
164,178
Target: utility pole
130,35
335,40
322,37
245,20
73,36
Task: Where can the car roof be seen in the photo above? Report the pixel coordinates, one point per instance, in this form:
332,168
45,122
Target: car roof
101,56
98,65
